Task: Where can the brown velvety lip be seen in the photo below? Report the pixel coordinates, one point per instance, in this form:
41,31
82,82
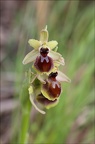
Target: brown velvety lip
43,64
52,92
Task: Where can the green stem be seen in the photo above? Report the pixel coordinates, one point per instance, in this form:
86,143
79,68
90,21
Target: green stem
23,137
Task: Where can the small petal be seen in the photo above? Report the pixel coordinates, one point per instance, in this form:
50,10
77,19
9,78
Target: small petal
44,35
52,44
32,101
57,57
62,77
30,57
54,55
34,43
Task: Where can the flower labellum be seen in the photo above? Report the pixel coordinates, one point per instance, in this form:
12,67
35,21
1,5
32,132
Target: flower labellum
52,88
44,63
45,83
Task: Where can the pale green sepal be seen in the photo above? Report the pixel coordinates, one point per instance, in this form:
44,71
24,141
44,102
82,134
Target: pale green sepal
34,43
44,35
62,77
31,56
52,44
32,101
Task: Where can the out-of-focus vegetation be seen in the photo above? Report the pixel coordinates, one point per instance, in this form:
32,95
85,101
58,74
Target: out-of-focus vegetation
72,24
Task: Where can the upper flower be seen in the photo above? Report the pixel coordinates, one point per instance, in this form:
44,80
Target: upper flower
44,58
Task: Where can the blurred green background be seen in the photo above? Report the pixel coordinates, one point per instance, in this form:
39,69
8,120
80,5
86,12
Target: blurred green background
72,24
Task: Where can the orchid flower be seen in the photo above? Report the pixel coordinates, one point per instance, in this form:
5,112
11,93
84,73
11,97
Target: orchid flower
43,56
46,89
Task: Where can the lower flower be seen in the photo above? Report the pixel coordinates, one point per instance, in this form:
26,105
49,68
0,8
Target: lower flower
46,90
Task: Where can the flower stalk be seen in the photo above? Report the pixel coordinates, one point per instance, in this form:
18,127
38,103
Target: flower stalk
25,112
23,137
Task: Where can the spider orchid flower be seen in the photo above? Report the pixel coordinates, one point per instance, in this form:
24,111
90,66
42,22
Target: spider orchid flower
46,90
43,56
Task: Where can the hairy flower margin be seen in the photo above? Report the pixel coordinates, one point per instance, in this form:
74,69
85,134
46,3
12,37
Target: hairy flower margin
45,82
